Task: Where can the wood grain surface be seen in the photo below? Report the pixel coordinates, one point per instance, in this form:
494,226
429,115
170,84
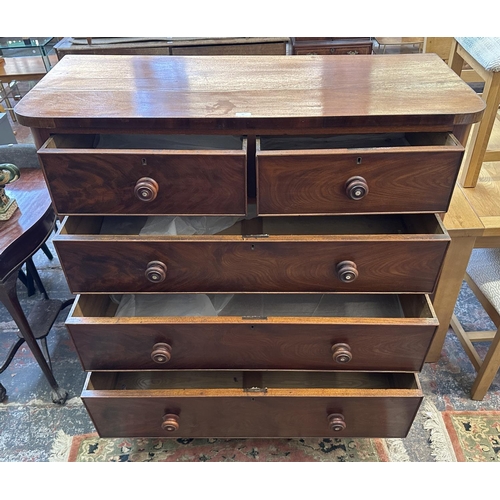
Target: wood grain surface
190,183
31,224
286,412
105,266
367,92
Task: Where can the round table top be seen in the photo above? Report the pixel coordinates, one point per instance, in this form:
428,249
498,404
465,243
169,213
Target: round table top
30,225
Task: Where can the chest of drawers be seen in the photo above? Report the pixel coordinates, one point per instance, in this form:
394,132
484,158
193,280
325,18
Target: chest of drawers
292,298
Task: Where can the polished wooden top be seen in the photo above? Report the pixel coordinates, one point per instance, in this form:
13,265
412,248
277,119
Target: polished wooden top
31,223
247,93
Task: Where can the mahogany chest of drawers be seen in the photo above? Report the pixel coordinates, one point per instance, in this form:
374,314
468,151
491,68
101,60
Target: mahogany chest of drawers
253,241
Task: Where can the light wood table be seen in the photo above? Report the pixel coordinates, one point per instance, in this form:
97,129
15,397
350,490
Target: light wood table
473,221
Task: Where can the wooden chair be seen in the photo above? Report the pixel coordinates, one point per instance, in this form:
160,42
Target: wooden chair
482,54
483,277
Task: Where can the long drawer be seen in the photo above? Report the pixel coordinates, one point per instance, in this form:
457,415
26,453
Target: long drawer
352,254
252,332
146,174
379,173
252,404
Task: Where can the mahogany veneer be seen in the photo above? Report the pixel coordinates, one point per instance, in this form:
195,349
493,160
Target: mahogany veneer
343,162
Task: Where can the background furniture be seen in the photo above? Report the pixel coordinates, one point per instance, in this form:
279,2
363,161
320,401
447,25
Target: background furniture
331,45
483,55
363,234
413,43
483,276
473,220
41,47
20,237
16,69
174,46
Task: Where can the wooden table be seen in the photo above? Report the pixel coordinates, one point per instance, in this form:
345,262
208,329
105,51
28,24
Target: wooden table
473,221
20,237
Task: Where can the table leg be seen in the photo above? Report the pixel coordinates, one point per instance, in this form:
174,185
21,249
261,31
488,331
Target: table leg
8,297
448,288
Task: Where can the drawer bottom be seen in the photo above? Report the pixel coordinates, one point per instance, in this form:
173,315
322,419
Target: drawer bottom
252,404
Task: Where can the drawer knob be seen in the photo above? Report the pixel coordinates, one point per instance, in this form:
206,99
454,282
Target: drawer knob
156,272
170,422
336,422
146,189
161,353
356,188
341,353
347,271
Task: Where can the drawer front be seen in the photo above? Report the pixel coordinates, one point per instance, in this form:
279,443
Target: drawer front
402,180
141,345
147,182
271,413
254,265
313,51
317,50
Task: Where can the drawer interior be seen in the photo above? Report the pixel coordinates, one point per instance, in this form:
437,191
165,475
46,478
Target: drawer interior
356,141
392,224
144,141
249,381
254,306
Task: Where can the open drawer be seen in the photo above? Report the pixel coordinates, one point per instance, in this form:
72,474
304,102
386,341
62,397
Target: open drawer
370,173
295,332
252,404
353,254
146,174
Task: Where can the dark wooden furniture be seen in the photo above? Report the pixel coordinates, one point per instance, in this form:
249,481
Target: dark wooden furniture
330,321
303,46
20,237
175,46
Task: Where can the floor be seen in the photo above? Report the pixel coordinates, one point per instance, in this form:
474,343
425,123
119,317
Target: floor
29,420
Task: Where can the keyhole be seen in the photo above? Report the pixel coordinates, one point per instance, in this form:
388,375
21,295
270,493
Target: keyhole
358,161
144,162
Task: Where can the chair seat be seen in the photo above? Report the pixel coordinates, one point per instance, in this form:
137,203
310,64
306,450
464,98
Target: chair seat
485,50
484,270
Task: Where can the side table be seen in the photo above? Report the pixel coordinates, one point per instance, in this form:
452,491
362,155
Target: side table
20,237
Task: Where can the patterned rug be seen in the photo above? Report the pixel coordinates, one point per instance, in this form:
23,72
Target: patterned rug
475,435
91,448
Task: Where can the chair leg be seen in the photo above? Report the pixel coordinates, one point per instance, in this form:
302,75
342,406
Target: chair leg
488,370
481,134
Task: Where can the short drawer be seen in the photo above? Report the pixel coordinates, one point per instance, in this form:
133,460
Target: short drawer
146,174
378,173
325,50
294,332
387,253
252,404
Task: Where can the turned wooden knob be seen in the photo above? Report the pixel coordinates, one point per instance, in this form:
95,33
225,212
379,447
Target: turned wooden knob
347,271
336,422
341,353
156,272
170,422
161,353
356,187
146,189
